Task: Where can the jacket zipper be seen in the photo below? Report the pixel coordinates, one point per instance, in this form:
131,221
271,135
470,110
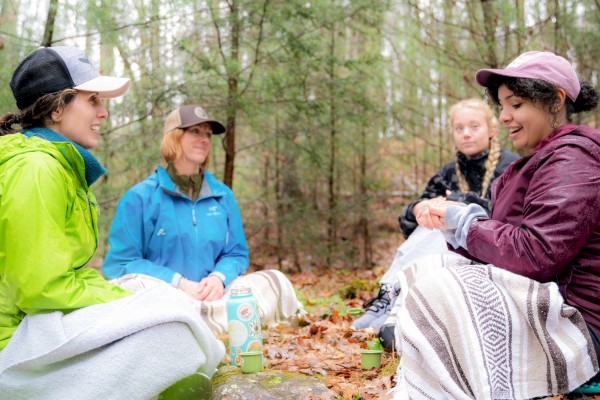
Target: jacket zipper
89,204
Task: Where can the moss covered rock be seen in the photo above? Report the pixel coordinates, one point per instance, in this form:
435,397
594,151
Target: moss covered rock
229,383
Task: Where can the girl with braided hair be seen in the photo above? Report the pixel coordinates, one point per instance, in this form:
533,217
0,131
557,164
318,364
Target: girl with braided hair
480,159
516,315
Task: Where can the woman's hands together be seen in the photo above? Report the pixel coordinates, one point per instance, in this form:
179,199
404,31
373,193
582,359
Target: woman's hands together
431,213
208,289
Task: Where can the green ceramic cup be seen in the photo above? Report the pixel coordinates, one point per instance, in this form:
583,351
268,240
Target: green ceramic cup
252,361
370,359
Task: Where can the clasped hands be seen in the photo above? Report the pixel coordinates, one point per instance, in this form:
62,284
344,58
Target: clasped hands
431,213
208,289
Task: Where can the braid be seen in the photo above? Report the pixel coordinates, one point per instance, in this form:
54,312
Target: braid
490,164
462,181
8,122
37,114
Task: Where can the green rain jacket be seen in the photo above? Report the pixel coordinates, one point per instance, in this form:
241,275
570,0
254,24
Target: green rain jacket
48,232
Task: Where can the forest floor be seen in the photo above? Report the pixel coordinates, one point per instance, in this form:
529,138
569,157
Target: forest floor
323,345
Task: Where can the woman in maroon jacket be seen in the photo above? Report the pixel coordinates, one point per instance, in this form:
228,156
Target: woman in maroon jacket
528,304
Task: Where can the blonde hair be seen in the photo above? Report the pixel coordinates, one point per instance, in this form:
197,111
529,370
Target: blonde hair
495,149
170,147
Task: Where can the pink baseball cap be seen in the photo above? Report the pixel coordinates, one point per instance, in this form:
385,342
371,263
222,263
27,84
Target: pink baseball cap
538,65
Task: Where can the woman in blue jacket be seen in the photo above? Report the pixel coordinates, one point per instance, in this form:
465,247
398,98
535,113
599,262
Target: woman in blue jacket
66,332
183,226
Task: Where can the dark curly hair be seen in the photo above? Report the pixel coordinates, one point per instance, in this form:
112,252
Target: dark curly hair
37,114
544,93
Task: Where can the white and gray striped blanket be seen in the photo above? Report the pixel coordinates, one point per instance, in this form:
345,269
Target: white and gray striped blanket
274,294
469,331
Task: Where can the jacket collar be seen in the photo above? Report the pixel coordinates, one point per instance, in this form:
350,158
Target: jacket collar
210,185
93,168
560,131
467,164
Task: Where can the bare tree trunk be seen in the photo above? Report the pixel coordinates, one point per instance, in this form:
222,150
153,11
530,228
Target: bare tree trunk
265,208
331,218
155,59
560,44
278,197
232,94
49,29
490,21
364,204
521,25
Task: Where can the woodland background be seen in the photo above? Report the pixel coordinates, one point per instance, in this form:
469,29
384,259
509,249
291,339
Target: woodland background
335,109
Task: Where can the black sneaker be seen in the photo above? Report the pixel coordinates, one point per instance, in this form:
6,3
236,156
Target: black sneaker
376,308
387,336
387,325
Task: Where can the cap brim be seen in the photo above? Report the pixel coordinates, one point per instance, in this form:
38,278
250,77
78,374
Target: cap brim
106,86
483,76
217,127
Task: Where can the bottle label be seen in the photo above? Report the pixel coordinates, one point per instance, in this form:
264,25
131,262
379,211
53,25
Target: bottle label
245,312
244,326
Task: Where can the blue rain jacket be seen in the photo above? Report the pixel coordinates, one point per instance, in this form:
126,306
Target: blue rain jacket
158,231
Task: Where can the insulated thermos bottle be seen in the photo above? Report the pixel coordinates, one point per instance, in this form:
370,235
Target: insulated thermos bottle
243,323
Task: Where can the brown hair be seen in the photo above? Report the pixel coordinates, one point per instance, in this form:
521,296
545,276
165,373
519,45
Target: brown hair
170,147
37,114
495,149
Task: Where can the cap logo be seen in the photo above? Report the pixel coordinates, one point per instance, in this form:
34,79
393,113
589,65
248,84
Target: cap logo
199,112
517,62
85,60
523,59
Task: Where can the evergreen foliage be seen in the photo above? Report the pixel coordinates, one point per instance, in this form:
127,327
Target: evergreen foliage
336,108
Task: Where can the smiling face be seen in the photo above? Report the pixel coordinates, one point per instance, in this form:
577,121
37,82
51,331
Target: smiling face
195,147
80,120
527,122
470,131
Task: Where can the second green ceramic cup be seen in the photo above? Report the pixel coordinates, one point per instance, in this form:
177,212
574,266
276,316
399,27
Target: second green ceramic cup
252,361
370,359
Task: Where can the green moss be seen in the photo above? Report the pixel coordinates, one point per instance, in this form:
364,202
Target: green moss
222,376
271,381
280,377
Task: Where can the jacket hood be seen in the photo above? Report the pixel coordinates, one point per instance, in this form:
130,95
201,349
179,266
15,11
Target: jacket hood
582,130
16,144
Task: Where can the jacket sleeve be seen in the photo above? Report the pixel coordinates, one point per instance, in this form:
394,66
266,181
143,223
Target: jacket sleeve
233,260
128,238
38,259
470,198
559,215
436,186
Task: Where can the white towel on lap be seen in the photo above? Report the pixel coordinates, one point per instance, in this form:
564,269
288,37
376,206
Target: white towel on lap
129,348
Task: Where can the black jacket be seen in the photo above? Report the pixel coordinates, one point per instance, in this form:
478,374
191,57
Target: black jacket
445,179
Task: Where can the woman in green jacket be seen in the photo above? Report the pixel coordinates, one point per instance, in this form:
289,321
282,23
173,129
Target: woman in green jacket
65,331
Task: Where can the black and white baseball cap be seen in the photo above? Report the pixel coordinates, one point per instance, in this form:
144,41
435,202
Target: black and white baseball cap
52,69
